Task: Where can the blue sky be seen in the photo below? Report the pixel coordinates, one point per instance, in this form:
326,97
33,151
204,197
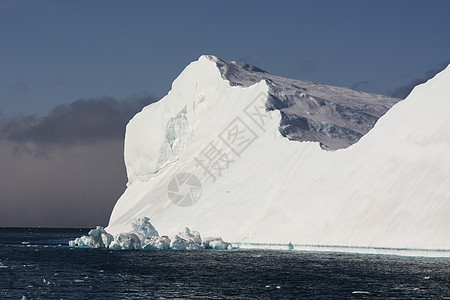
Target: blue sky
72,73
55,52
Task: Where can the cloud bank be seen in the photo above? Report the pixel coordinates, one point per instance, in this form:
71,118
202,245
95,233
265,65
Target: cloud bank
65,169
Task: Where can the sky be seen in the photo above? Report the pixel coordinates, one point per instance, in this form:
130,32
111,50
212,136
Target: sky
72,73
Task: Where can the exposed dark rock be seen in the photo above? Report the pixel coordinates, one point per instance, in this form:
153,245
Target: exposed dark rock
335,117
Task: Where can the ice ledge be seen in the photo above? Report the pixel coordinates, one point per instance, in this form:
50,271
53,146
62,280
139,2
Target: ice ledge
347,249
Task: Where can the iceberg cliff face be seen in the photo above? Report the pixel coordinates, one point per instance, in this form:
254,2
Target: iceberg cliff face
252,142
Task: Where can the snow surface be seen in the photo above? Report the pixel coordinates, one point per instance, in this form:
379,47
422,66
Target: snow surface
389,190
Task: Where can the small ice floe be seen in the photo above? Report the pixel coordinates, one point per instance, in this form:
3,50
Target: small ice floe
216,243
269,286
192,240
144,228
125,241
361,292
156,243
2,266
187,240
97,238
46,281
426,277
290,246
78,280
25,243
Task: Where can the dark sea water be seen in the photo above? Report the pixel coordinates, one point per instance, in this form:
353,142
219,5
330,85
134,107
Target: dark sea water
37,264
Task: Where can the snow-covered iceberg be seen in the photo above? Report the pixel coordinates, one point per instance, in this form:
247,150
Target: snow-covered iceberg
238,153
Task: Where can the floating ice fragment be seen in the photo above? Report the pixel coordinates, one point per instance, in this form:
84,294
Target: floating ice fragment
216,243
144,227
126,241
156,243
145,236
80,242
187,240
99,238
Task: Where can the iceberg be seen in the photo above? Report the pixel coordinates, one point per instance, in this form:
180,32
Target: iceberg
269,162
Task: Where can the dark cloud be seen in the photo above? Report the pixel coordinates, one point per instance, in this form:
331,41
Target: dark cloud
304,67
65,169
403,91
82,121
361,85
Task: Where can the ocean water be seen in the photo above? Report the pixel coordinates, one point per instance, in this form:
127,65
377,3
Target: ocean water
38,264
